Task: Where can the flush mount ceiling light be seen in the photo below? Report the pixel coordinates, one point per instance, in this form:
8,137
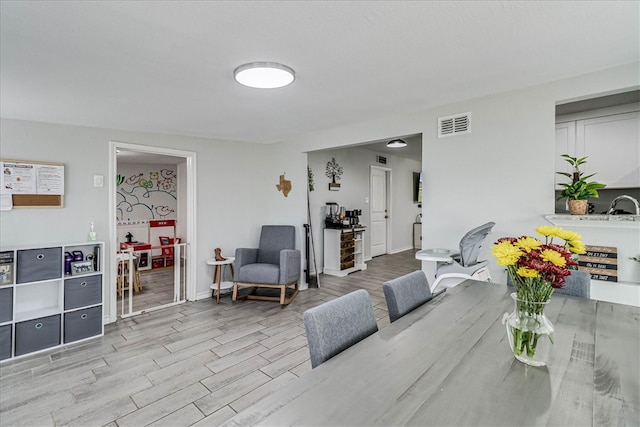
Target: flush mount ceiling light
264,75
396,143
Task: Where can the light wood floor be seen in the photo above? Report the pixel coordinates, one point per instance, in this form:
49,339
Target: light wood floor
157,290
194,364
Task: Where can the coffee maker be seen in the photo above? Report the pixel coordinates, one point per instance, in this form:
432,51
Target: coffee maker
332,219
353,217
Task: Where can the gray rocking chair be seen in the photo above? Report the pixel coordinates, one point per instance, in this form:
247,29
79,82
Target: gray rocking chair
275,264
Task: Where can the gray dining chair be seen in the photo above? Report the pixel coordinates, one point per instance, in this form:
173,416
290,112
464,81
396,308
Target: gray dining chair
578,284
406,293
336,325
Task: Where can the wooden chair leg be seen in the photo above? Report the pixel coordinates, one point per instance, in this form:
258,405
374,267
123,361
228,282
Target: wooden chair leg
137,284
234,297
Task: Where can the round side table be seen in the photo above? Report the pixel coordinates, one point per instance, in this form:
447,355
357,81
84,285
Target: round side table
218,284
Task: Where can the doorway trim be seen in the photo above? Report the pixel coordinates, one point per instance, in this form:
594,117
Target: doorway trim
388,195
189,218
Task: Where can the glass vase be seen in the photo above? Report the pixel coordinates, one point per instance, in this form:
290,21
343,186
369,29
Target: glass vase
530,333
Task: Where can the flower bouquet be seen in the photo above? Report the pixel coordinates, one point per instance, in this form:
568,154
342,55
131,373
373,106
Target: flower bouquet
535,269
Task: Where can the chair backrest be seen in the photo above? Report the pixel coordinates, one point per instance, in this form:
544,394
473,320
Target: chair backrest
471,243
405,293
273,239
578,284
336,325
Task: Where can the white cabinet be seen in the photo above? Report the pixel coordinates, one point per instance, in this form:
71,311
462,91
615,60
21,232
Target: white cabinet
565,144
417,235
49,296
343,251
611,143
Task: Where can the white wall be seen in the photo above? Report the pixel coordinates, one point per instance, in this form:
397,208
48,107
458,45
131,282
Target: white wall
354,189
236,191
503,171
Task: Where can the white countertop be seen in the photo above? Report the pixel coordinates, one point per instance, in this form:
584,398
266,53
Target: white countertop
603,221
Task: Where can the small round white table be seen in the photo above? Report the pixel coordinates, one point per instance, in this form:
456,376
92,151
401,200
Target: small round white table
218,268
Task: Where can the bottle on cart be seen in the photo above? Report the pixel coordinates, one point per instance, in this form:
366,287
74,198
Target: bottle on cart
68,259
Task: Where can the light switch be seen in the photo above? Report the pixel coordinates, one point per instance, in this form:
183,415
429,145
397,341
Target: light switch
366,200
98,180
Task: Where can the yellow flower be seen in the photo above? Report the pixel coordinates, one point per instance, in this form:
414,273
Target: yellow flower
553,257
549,230
569,236
506,253
527,272
527,244
577,247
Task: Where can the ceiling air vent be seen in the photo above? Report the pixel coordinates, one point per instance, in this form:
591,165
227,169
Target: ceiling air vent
454,125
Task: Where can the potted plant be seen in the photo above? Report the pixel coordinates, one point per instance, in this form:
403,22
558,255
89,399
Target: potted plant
579,190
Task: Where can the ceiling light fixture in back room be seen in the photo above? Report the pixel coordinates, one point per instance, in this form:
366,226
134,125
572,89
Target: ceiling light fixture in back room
264,75
396,143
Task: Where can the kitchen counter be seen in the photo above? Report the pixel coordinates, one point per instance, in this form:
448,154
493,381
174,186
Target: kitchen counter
613,221
619,231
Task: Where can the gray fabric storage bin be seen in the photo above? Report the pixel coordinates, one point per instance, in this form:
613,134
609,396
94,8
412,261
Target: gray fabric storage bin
5,342
6,304
37,334
39,264
82,291
82,324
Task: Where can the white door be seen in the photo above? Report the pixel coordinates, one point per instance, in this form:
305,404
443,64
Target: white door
379,212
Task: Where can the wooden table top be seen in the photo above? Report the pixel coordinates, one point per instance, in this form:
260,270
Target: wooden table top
449,363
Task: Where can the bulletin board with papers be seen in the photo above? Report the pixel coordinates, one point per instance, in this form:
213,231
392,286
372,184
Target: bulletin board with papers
31,184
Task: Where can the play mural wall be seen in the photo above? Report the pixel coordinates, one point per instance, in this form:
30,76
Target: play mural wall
145,192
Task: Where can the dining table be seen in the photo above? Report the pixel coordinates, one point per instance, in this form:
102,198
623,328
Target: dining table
449,363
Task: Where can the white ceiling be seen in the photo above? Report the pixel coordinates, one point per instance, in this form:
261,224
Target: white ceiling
167,66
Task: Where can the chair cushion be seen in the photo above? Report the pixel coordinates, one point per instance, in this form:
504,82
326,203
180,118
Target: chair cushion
578,284
405,293
336,325
454,267
471,243
259,273
274,238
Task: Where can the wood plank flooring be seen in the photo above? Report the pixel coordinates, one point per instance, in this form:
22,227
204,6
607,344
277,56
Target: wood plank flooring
194,364
157,290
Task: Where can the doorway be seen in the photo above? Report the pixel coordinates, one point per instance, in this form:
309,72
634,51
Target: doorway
150,274
380,192
355,191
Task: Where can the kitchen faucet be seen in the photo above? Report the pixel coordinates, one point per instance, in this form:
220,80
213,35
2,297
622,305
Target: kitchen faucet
617,199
